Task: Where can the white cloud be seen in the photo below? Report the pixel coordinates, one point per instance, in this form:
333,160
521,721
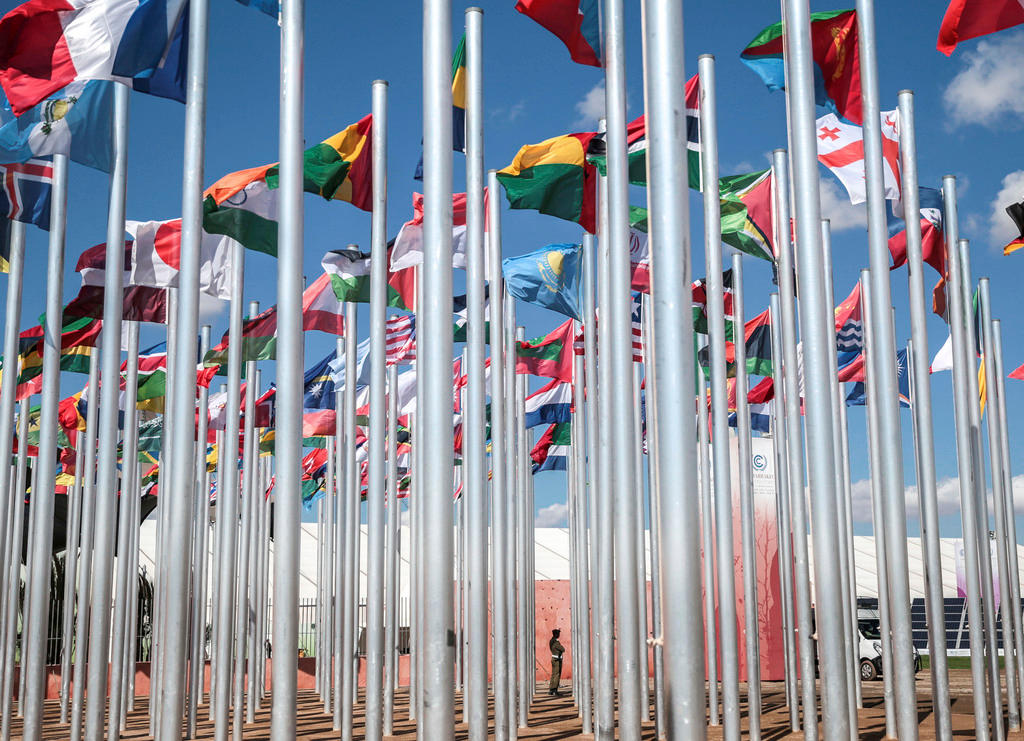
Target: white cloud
590,108
509,114
947,495
405,518
986,90
210,308
552,516
836,207
1001,228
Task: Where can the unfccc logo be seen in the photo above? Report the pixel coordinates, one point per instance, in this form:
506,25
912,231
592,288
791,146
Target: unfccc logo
759,462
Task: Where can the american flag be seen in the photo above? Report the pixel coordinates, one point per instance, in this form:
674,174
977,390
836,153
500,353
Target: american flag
636,330
400,339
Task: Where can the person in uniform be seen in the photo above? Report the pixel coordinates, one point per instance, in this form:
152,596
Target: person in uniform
556,662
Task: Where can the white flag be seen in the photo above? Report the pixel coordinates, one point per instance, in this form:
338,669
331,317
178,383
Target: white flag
841,149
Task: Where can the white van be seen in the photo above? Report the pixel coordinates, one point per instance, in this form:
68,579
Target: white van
870,648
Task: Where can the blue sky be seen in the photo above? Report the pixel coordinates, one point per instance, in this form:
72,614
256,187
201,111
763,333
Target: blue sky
969,115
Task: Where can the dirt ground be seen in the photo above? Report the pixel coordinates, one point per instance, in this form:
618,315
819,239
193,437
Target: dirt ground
554,718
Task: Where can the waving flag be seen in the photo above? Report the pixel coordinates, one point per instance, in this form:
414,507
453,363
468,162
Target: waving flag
270,7
1016,212
259,340
746,209
321,309
857,395
47,44
548,277
458,104
636,151
400,339
550,355
349,272
836,61
551,452
933,246
758,344
841,149
156,257
408,247
576,22
140,303
75,121
759,403
699,293
549,405
968,19
850,337
24,196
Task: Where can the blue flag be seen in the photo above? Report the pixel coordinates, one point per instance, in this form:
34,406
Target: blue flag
270,7
549,277
318,386
857,395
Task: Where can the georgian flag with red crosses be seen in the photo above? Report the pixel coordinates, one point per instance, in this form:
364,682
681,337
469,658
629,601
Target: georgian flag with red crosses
841,149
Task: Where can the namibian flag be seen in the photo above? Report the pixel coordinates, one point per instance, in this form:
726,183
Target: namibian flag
554,177
575,22
836,61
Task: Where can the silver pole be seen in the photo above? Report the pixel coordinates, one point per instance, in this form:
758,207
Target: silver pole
392,555
474,437
794,442
70,569
318,660
784,530
642,496
499,527
673,369
376,488
435,357
654,486
707,516
340,534
746,485
582,572
350,593
998,495
922,411
134,602
1000,408
818,334
619,357
34,478
511,515
227,505
107,483
879,524
37,591
884,364
241,595
85,547
288,437
129,461
522,544
961,369
14,565
719,403
590,421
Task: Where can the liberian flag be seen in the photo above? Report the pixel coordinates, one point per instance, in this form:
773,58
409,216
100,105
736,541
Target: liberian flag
400,339
841,149
408,248
552,451
636,331
321,309
156,257
549,405
47,44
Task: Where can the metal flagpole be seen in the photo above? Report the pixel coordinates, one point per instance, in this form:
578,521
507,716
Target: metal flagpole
522,558
70,569
982,530
37,592
474,413
288,436
851,653
252,554
618,356
499,532
391,554
683,645
884,364
794,443
318,661
878,516
325,582
719,404
129,462
746,484
654,486
131,478
707,516
34,475
591,472
376,486
818,335
215,590
241,595
350,590
999,408
1005,606
85,545
511,480
583,666
227,504
340,533
782,489
434,356
957,330
14,564
641,496
134,602
922,411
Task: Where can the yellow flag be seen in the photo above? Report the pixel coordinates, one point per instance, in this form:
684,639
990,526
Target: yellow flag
981,384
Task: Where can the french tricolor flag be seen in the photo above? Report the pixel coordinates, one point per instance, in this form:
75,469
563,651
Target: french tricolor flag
47,44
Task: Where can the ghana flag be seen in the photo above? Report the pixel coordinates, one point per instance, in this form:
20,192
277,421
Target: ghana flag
836,61
554,177
243,205
746,210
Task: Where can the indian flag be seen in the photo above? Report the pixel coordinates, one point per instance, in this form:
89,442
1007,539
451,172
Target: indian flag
349,272
243,205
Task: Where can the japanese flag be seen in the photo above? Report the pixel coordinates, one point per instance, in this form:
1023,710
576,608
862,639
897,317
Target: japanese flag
156,257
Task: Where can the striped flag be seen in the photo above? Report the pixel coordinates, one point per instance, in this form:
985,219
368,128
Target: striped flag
551,404
552,451
400,339
636,330
841,149
693,132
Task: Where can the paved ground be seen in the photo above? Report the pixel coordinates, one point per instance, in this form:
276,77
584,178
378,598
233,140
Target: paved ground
555,719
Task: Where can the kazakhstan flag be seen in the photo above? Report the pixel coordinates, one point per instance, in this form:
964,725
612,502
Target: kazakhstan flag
549,277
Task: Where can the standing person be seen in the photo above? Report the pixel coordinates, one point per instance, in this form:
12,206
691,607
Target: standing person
556,662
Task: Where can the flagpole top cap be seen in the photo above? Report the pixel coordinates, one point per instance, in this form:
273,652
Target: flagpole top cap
380,82
706,56
905,91
474,9
780,150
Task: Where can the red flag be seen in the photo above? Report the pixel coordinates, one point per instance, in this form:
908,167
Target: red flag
968,19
